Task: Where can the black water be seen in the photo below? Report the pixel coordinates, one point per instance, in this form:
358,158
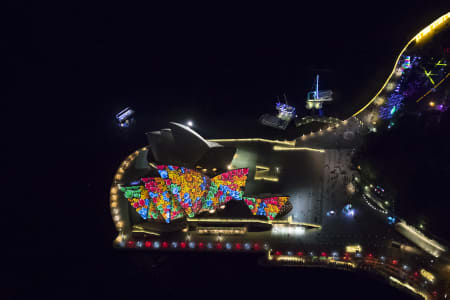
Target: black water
73,66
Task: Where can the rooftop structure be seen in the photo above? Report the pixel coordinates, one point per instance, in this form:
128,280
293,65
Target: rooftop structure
316,97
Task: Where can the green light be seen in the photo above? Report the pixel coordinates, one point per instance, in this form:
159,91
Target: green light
393,109
429,74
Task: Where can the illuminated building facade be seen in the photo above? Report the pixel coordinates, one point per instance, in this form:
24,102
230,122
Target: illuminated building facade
182,192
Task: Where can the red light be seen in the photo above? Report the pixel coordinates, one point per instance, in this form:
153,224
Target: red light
238,246
219,246
201,245
434,293
416,274
148,244
323,254
183,244
370,255
277,253
300,253
256,246
394,261
131,244
165,244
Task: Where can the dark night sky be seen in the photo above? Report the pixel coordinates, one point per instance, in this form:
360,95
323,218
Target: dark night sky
71,67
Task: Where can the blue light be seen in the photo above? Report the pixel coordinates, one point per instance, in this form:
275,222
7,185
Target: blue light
139,244
174,244
192,245
228,246
156,244
247,246
209,245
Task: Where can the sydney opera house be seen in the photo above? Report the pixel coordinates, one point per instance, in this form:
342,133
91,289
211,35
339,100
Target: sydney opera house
181,179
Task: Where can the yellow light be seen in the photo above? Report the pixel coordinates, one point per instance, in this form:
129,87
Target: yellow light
432,26
390,86
279,148
409,287
204,170
433,88
288,221
290,143
118,177
379,101
214,169
275,179
431,103
430,277
114,190
290,258
119,224
353,248
229,167
114,204
114,197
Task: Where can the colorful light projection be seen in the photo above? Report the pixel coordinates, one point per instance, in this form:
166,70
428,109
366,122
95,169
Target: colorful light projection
225,187
161,200
268,207
138,198
188,187
184,192
395,101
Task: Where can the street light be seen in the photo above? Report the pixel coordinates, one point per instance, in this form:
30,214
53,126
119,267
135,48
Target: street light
190,123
